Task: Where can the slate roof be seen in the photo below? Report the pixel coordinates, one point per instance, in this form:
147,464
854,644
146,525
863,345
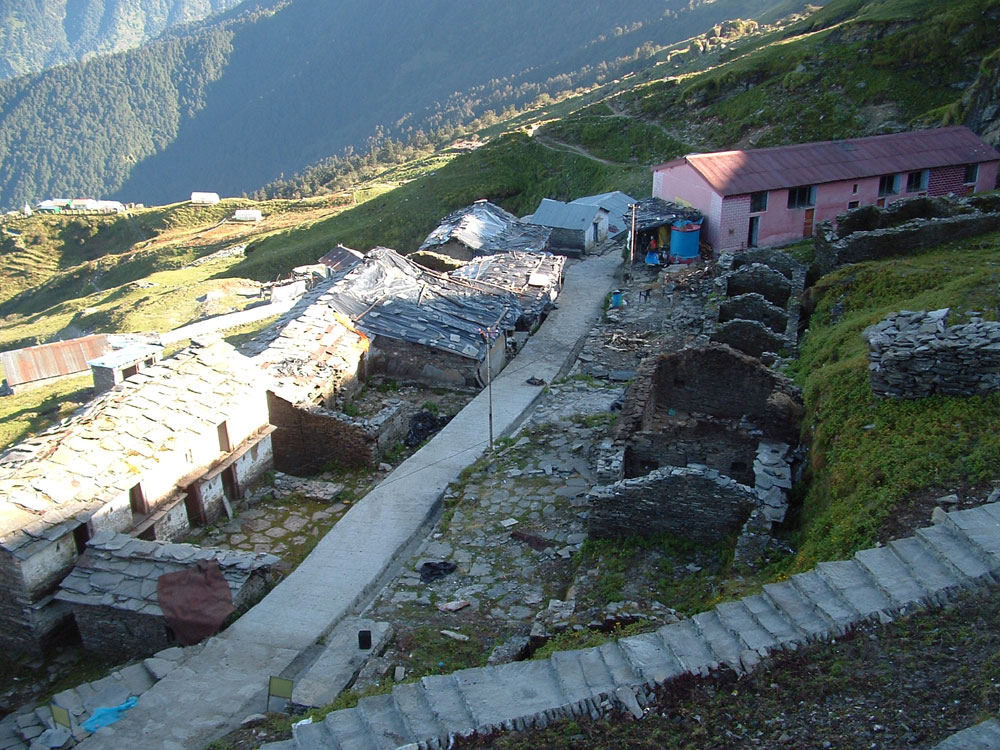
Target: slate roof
307,347
739,172
616,204
486,228
389,295
559,215
656,212
121,571
51,482
535,278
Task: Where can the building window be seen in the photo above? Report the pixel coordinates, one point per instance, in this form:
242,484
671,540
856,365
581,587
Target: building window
854,190
224,445
802,197
888,184
137,500
917,181
971,174
758,202
853,204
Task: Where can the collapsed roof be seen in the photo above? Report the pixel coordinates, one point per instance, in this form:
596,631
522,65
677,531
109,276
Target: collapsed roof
656,212
486,228
535,278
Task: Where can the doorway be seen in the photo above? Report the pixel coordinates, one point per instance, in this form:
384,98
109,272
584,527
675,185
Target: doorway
807,224
753,231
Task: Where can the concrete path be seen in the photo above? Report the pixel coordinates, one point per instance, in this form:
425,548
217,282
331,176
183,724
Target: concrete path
212,691
961,551
230,320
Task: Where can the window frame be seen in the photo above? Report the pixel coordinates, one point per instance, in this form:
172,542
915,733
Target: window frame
923,178
974,169
886,188
801,196
758,199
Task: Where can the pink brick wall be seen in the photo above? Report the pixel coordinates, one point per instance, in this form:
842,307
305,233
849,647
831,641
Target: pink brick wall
734,223
947,180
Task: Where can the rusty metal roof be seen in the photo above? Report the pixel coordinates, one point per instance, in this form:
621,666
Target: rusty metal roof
739,172
341,258
52,360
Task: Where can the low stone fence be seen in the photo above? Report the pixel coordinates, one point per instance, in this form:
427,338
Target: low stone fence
869,233
917,354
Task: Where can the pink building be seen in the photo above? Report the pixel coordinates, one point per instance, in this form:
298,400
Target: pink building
769,196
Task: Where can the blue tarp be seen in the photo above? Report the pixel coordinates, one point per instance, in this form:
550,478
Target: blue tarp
103,716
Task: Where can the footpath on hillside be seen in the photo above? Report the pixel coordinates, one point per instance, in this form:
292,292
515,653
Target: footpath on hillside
225,679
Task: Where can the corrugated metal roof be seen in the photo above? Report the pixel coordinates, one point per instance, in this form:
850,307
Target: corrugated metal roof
559,215
486,228
615,203
341,258
739,172
52,360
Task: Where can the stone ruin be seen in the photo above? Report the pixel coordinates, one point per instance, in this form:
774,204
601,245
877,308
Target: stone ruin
760,291
917,354
705,443
905,226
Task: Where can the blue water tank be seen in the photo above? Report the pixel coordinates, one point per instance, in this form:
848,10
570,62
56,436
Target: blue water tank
684,240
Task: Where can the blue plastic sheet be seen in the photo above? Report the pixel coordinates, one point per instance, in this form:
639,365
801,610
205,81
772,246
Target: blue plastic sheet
103,716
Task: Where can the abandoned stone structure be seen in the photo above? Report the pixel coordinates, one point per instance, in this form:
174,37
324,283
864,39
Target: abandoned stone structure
484,229
113,590
761,290
906,226
917,354
704,438
160,453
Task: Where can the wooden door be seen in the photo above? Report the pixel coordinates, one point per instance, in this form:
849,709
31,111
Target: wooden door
807,224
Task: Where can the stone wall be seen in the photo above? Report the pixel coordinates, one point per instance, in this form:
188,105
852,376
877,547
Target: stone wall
692,502
753,306
404,360
749,336
917,354
307,438
762,279
716,443
119,634
940,220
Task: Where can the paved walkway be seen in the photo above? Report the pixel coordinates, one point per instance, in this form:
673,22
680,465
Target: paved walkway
225,680
961,551
230,320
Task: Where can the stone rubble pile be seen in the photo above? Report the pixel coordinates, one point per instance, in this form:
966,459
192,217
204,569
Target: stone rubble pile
310,489
917,354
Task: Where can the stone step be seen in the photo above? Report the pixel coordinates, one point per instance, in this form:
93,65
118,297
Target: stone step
725,646
983,736
447,703
650,658
136,678
956,553
596,672
570,673
858,588
313,736
773,620
826,600
499,695
349,731
335,668
892,576
686,643
797,609
411,702
936,577
618,664
738,619
107,692
385,722
981,527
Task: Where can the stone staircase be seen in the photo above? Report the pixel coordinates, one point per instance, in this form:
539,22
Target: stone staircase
32,726
960,551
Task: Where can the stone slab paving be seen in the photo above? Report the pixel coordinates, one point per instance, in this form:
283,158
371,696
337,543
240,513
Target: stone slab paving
961,551
338,664
984,736
225,681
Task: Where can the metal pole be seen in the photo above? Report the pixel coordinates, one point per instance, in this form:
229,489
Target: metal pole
631,244
489,379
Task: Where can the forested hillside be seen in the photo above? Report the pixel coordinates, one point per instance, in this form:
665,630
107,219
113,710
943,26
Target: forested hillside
271,88
39,34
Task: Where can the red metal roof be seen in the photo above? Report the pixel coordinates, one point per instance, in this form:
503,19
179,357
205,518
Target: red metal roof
739,172
52,360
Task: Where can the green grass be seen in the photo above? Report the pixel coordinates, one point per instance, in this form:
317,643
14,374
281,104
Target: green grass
870,456
30,412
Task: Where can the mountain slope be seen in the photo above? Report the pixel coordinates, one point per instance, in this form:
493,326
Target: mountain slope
266,91
39,34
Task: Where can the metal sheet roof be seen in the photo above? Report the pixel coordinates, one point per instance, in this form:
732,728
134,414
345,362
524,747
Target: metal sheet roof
486,228
52,360
615,203
559,215
341,258
739,172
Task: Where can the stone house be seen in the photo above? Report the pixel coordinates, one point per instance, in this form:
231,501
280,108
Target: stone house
769,196
426,326
576,227
484,229
617,204
113,593
164,451
317,361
